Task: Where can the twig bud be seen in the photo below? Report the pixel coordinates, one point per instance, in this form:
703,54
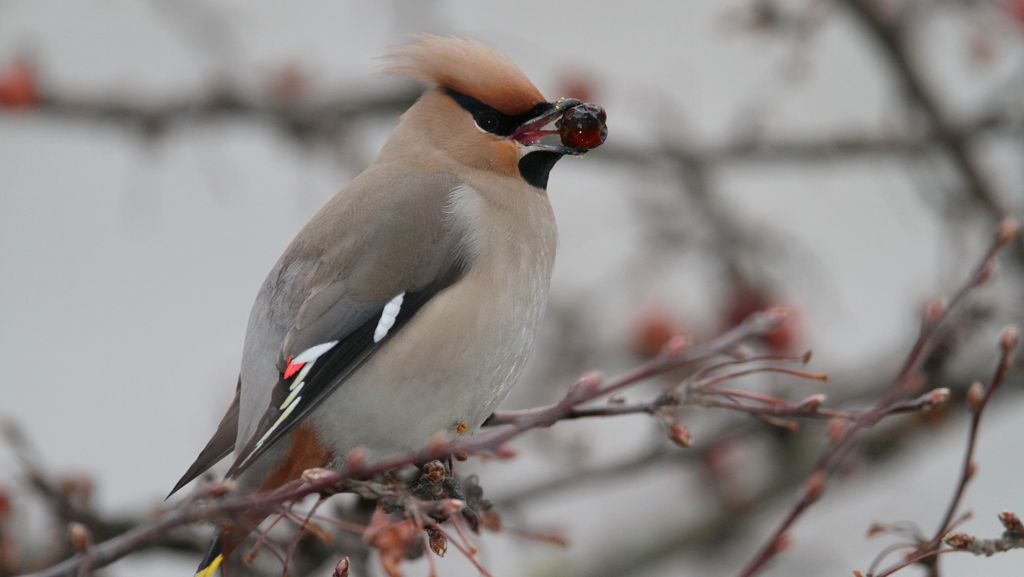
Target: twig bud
815,486
454,505
1008,340
934,309
1008,228
505,452
806,358
355,459
781,544
835,429
316,475
934,399
438,543
1012,523
341,569
975,396
587,384
676,345
680,435
812,403
959,541
79,536
438,442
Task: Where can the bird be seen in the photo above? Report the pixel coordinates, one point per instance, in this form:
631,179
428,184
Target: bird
408,305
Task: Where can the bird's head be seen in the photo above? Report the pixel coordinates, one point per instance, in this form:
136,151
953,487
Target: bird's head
485,113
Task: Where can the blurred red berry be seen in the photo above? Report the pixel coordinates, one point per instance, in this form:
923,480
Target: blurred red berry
290,84
18,86
577,85
1016,8
746,301
652,331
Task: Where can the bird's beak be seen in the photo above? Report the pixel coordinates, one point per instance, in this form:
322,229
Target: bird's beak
530,133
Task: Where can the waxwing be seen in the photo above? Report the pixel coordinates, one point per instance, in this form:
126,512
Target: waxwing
409,304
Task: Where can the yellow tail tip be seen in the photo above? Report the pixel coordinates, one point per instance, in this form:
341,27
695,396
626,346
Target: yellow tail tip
211,569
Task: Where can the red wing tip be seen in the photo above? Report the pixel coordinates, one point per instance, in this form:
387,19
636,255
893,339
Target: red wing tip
292,368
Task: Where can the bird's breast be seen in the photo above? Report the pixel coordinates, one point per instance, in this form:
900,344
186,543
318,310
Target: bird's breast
457,359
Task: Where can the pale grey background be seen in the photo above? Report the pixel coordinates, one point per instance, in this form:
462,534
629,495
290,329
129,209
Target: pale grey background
129,267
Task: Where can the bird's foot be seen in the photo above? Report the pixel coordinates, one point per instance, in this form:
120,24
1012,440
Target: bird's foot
436,482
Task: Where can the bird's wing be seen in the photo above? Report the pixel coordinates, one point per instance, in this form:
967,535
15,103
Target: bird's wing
374,276
220,445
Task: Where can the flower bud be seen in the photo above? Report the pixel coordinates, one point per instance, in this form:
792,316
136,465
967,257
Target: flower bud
975,396
587,384
505,452
812,403
959,541
1007,231
1008,340
815,486
676,345
934,309
680,435
934,399
79,536
1011,523
316,475
355,459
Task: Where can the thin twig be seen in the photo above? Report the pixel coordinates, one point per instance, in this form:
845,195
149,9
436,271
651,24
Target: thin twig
837,450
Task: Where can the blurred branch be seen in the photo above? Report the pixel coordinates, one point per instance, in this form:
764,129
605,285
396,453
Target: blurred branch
926,551
302,122
214,506
837,147
891,41
309,121
936,315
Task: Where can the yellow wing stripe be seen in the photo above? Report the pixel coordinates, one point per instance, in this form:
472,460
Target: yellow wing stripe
211,569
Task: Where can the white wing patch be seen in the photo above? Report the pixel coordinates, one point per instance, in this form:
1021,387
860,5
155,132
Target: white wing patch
388,317
313,353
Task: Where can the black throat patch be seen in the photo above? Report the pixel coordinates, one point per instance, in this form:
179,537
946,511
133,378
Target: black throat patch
536,166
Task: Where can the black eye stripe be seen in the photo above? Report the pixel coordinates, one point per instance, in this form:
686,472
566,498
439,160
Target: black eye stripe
491,120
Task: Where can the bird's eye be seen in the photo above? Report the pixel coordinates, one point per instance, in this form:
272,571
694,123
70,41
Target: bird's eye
487,120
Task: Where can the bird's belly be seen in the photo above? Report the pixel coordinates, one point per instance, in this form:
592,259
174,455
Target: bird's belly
446,371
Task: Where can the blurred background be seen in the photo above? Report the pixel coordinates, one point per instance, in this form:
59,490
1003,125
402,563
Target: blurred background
847,158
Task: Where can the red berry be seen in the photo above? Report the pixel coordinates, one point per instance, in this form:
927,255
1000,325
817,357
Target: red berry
1016,8
577,85
746,301
18,86
651,333
583,126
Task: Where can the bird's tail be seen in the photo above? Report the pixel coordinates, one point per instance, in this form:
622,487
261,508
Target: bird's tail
213,558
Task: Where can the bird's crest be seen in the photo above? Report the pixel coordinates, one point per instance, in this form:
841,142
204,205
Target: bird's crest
466,66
